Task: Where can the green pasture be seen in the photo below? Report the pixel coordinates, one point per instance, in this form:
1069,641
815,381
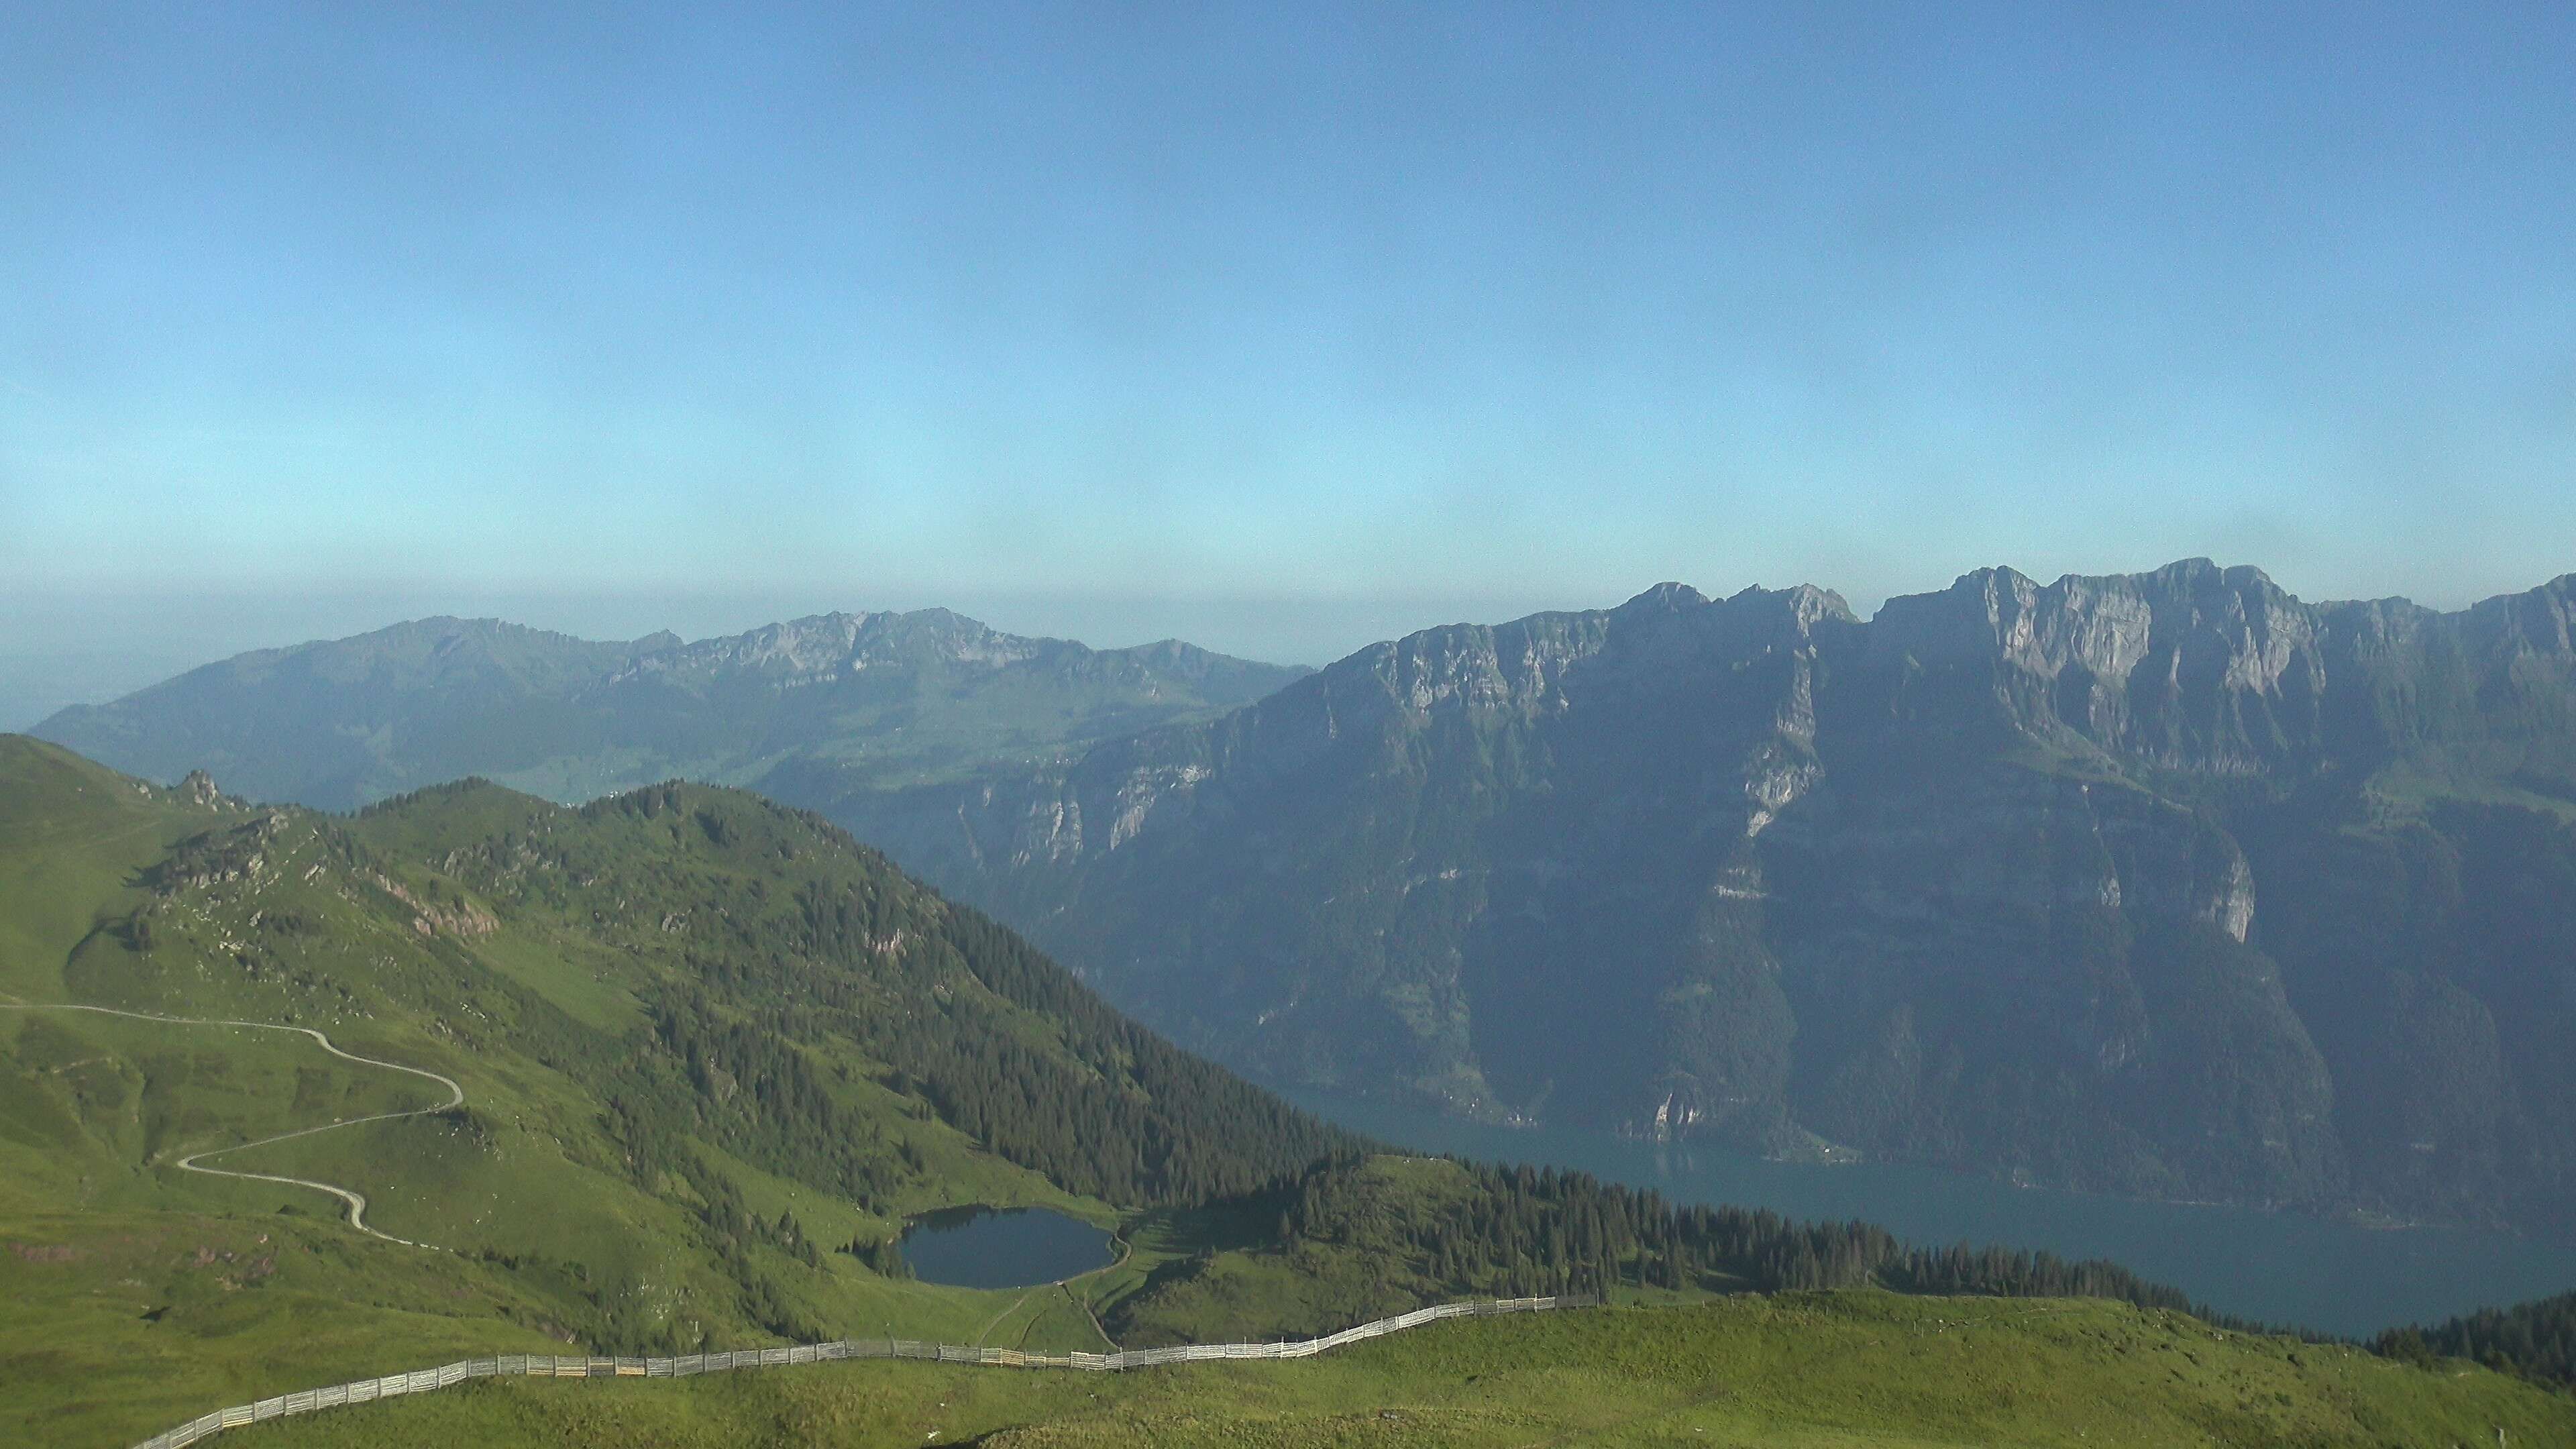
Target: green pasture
1845,1369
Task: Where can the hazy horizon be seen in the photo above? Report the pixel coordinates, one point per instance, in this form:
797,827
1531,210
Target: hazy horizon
1281,333
149,643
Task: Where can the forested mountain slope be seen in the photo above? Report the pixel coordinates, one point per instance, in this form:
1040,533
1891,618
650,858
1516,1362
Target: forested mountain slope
832,702
706,1045
2167,884
711,1052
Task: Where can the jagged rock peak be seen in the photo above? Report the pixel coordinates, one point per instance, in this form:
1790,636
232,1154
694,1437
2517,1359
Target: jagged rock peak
1806,604
2541,620
2203,574
2105,623
2179,579
825,643
1666,597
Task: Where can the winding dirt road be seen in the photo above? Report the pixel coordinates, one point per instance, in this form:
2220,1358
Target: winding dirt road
356,1201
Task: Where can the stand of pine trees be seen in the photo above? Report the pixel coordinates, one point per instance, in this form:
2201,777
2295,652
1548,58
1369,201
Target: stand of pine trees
1525,1230
2536,1340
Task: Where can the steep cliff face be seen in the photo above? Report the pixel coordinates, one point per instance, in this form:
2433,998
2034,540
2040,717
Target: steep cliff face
1984,880
2025,970
2191,667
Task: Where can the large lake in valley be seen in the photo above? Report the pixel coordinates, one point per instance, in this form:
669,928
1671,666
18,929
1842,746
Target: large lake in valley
981,1247
2274,1267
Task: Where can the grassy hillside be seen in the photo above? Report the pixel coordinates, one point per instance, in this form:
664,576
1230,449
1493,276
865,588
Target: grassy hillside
714,1053
1853,1370
707,1045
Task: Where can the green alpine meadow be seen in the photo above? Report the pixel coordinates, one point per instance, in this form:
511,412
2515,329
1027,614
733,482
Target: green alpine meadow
713,1055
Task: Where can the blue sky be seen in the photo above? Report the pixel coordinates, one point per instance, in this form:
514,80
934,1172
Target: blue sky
1278,327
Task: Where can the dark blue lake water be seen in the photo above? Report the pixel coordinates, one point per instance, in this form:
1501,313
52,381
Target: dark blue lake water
2275,1267
981,1247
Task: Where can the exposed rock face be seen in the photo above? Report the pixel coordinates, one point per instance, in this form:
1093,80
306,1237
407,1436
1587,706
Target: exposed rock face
2192,667
1989,879
826,645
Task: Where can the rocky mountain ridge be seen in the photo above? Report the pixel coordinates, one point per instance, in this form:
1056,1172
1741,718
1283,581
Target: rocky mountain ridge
2191,668
2007,877
862,698
823,644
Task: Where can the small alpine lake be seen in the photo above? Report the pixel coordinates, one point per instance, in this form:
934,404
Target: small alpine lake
985,1247
2274,1267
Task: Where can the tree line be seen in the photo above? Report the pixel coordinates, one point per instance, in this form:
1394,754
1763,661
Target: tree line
1527,1230
2536,1340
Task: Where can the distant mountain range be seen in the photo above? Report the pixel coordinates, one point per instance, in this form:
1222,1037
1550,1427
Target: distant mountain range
2166,884
836,701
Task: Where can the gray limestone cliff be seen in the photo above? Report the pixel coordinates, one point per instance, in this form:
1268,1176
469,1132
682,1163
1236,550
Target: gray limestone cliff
2012,876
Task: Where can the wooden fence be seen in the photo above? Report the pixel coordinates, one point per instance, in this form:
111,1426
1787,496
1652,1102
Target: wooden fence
564,1366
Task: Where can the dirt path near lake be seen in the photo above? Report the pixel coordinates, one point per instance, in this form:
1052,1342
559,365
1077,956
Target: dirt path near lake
1126,1250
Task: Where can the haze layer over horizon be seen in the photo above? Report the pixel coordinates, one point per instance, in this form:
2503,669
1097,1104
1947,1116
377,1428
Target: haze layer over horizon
1278,333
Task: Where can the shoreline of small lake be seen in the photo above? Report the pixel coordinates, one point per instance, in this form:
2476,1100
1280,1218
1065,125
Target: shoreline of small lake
979,1246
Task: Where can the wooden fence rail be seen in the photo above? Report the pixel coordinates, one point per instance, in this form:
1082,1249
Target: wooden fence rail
567,1366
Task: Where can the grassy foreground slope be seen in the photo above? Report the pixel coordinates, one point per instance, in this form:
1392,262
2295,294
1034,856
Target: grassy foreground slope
713,1053
1843,1369
708,1046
